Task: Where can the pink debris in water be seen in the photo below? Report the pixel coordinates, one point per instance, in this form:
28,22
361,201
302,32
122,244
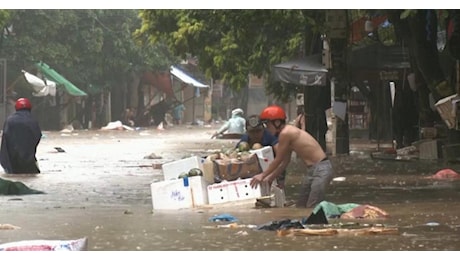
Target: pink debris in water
445,174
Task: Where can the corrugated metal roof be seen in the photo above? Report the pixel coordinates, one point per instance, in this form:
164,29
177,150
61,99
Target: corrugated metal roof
186,78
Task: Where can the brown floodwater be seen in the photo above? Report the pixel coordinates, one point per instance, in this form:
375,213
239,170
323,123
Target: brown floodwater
99,188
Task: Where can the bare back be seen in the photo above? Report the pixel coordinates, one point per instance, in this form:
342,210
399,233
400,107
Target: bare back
302,143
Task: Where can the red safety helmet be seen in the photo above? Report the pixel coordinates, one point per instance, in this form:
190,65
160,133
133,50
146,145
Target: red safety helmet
273,112
23,103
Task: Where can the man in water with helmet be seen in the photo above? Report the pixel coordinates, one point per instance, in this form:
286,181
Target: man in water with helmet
319,171
20,138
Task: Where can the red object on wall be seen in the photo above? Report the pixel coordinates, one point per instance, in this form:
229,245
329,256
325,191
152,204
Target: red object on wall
357,27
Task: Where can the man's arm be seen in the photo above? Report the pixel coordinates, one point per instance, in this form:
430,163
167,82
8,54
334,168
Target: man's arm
221,130
282,152
278,171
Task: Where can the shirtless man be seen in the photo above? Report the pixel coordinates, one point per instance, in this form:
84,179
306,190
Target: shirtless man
319,171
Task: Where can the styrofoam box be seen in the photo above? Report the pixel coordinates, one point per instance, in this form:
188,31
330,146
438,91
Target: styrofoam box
265,155
237,190
172,170
180,193
218,193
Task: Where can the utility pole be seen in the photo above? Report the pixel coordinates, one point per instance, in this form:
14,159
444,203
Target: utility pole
337,21
4,99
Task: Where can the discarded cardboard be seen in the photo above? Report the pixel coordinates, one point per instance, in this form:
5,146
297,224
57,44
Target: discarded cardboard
233,169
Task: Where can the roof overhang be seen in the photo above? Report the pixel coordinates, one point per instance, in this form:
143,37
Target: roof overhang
184,77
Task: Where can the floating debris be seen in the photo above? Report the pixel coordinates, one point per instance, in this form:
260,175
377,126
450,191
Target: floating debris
338,231
8,227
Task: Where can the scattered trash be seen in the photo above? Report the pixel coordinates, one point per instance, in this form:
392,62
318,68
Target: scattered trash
281,224
338,231
339,179
152,156
116,125
67,129
231,225
223,217
242,233
8,227
350,211
59,149
46,245
8,187
445,174
317,217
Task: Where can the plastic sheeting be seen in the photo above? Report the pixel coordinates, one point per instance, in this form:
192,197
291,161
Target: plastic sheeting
41,88
186,78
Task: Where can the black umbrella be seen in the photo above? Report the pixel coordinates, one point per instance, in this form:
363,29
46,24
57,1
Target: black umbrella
309,73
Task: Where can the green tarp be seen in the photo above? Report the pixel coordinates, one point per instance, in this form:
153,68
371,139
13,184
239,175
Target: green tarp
51,74
332,210
8,187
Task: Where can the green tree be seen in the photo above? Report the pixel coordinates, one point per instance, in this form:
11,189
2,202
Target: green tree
231,44
89,47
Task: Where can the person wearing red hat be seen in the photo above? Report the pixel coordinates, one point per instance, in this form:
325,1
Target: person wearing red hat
319,171
20,138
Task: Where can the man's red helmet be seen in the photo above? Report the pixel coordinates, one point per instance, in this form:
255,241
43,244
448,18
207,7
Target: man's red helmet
23,103
273,112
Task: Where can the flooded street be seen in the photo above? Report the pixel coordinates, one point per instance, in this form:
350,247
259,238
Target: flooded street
99,188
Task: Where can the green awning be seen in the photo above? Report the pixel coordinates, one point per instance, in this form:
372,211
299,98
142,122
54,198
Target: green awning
59,79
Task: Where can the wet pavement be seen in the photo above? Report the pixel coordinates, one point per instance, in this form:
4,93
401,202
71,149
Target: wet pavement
99,188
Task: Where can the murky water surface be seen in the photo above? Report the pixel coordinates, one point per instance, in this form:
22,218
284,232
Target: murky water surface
99,188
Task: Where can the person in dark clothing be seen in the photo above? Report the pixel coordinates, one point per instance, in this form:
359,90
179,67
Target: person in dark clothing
257,133
20,138
158,112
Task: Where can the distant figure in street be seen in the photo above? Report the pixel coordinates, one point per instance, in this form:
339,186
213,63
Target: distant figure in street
158,112
128,117
20,138
319,171
235,125
178,112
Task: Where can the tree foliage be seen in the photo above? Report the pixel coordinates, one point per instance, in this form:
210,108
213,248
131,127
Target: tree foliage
231,44
87,46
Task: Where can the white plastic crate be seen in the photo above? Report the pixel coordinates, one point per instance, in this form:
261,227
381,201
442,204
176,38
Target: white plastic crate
265,155
172,170
180,193
218,193
229,191
242,190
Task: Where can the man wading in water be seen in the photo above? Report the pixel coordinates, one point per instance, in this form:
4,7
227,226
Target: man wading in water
318,173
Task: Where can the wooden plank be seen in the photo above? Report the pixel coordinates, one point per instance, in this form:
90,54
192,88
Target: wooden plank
333,231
